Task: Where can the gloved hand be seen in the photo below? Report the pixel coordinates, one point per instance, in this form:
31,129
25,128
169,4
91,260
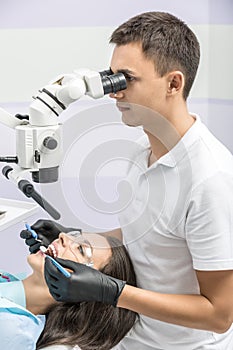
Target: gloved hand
47,231
85,283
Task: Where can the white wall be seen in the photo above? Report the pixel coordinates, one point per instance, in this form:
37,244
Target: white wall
31,57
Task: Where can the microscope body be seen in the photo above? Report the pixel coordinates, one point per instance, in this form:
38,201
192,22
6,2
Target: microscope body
39,135
39,143
40,150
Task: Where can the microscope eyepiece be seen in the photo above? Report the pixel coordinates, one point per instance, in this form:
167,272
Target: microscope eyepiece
105,73
112,82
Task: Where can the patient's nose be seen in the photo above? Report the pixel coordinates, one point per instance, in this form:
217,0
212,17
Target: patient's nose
64,239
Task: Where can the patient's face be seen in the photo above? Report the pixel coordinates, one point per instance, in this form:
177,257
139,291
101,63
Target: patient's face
87,248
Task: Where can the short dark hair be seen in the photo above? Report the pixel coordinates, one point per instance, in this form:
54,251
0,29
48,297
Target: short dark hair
93,325
165,39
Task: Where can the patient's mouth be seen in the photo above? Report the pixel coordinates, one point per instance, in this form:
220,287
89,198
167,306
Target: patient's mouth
51,251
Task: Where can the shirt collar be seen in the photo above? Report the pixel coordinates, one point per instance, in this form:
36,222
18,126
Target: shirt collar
171,158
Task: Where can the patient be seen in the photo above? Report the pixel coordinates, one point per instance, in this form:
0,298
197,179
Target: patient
86,326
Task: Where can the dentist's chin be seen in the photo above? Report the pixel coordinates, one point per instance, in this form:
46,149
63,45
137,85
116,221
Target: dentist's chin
122,107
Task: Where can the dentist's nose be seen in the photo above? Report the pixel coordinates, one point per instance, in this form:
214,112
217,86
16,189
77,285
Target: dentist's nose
117,95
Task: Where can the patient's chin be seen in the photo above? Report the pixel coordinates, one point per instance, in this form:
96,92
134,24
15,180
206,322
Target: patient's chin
36,262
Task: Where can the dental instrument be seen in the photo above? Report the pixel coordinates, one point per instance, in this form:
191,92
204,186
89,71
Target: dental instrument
28,227
55,263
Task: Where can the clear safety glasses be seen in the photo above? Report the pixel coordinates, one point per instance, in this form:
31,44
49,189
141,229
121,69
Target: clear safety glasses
79,245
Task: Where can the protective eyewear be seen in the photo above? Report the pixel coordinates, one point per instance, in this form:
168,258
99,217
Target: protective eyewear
79,245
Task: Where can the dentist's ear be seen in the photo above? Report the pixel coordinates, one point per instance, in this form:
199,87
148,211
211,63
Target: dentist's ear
175,82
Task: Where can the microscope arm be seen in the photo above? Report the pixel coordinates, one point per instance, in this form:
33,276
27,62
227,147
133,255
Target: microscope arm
65,89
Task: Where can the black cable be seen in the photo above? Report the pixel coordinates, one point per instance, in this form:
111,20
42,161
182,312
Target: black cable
28,189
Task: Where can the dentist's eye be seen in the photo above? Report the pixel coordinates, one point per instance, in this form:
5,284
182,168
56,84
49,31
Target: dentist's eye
129,78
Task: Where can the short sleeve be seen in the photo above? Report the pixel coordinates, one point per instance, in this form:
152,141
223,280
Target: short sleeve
209,223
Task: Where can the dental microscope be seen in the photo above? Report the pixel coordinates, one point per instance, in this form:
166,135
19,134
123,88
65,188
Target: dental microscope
39,134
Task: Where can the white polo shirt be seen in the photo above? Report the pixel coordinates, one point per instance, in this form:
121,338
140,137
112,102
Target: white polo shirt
179,218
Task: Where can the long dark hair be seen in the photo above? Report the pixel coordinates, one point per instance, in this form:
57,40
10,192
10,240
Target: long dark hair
93,325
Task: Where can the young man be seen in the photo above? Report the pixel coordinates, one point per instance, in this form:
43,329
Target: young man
179,225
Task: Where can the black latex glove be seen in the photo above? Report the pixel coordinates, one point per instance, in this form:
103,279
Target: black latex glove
85,283
47,231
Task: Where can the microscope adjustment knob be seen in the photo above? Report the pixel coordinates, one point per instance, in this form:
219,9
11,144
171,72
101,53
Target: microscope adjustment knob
50,143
